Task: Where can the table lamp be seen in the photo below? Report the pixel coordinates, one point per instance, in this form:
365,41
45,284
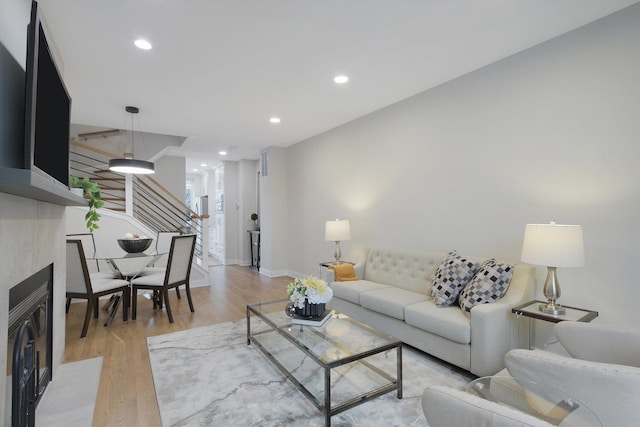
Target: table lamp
337,231
553,245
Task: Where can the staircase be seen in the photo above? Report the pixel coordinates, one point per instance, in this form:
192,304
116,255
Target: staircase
153,205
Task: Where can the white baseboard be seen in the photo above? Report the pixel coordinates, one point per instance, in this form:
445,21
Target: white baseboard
200,283
271,274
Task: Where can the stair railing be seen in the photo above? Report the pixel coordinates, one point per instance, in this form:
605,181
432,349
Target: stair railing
160,210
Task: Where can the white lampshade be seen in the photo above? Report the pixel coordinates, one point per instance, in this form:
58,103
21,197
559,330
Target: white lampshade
337,231
553,245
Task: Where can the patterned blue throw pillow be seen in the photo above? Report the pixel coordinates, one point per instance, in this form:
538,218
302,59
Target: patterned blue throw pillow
451,276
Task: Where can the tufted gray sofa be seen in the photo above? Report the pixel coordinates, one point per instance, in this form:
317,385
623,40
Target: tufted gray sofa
392,295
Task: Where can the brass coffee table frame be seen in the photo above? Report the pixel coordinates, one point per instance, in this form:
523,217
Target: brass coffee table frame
325,406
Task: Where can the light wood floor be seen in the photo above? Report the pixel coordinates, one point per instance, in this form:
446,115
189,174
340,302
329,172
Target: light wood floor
126,395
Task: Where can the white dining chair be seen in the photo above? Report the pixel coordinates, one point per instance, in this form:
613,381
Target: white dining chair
163,244
91,286
89,246
176,274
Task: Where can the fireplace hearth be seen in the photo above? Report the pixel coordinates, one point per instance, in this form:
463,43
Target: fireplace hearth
30,302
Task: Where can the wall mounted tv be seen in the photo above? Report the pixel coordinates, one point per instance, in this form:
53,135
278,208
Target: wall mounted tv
47,107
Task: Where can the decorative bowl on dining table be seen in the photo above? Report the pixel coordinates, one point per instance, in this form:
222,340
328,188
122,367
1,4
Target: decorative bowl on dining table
134,245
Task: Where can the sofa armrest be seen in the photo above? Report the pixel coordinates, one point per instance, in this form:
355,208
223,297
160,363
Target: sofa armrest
494,329
447,407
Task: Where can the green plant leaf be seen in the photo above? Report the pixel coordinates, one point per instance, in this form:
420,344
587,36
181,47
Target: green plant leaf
92,192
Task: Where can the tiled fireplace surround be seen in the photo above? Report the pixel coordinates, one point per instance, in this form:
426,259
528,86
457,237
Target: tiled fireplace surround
32,235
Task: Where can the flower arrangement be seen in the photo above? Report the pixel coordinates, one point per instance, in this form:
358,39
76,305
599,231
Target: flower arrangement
312,289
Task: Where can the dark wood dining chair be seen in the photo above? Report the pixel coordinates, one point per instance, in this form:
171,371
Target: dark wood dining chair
176,274
89,286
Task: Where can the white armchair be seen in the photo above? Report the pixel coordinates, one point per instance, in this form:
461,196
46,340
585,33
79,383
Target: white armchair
447,407
603,371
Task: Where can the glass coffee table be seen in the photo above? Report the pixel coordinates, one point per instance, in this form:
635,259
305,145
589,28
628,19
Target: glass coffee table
337,366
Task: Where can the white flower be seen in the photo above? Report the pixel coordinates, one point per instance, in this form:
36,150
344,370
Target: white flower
312,289
315,297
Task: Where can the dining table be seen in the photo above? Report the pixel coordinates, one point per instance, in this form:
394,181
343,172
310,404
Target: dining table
125,266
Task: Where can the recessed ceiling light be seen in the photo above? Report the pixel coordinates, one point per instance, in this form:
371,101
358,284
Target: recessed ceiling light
204,165
274,119
194,169
341,79
143,44
222,153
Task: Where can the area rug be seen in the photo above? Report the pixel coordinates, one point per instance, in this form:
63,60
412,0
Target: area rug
209,376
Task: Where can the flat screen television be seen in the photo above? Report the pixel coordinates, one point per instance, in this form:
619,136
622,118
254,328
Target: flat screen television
47,106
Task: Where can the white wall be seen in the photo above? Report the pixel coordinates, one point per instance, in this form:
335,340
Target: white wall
552,133
231,213
14,18
274,209
171,174
247,174
211,192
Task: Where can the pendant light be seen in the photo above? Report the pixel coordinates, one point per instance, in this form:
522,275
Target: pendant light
128,164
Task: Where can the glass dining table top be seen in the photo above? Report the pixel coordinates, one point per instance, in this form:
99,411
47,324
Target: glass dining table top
103,255
127,265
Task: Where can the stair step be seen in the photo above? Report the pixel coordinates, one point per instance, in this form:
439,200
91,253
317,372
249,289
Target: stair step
117,209
107,179
113,199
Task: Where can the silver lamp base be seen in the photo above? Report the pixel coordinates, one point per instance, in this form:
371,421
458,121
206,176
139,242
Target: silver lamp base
337,254
552,308
552,293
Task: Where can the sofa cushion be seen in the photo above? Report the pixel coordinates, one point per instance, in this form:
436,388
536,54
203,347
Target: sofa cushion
350,291
391,301
451,276
447,322
488,285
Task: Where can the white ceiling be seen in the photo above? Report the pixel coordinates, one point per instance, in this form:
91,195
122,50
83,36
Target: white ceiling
219,69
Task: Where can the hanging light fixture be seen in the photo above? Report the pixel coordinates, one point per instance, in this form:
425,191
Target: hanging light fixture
128,164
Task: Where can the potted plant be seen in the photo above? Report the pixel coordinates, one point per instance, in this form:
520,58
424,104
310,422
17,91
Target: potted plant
254,218
91,191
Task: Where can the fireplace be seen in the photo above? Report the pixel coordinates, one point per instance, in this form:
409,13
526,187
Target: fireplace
31,301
